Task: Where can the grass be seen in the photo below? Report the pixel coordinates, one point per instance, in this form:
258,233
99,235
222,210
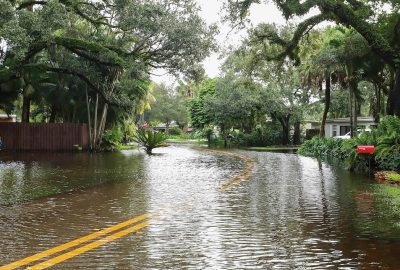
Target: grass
274,148
127,147
393,177
394,192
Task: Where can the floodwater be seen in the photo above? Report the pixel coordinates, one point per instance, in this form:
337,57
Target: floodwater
293,212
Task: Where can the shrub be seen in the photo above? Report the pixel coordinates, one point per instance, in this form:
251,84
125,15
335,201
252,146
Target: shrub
353,160
149,139
260,136
393,177
322,148
175,131
388,144
386,138
111,139
310,133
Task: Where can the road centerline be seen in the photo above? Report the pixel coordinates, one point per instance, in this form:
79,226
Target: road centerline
73,243
88,247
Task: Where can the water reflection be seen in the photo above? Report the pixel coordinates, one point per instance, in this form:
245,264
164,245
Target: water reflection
294,213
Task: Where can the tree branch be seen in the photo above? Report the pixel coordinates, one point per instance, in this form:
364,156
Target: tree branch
290,46
30,3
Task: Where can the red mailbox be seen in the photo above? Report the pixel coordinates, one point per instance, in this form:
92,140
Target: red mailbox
366,149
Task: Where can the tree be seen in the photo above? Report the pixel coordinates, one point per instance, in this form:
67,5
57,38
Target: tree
234,105
196,106
167,107
355,14
111,47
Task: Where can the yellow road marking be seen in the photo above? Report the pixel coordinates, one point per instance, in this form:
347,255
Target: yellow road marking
73,243
95,244
244,175
234,181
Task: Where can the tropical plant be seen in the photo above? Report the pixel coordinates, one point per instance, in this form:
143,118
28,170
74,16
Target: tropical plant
111,139
386,138
388,145
149,139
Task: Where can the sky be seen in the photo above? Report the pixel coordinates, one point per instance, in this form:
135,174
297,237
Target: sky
211,12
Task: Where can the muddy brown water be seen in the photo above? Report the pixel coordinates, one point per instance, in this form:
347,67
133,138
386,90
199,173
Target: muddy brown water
293,213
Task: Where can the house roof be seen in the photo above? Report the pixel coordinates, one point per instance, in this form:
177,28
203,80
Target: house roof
367,119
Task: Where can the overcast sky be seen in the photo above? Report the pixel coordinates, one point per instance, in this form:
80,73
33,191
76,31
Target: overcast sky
211,13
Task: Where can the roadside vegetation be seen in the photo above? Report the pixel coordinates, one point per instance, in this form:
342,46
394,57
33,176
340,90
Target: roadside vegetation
386,138
83,61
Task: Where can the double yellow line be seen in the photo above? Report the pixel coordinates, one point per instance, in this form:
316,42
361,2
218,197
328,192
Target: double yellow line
143,219
82,249
244,175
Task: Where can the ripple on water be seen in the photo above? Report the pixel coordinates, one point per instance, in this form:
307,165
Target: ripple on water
294,213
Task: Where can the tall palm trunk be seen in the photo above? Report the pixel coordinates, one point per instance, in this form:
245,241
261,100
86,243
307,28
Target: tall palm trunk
327,102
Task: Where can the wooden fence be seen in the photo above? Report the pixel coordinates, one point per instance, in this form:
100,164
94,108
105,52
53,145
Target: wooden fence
44,137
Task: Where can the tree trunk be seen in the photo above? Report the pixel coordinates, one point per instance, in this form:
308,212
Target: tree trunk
53,114
285,129
351,112
89,121
353,107
167,127
102,125
95,122
224,135
376,107
327,103
296,135
355,122
393,102
26,108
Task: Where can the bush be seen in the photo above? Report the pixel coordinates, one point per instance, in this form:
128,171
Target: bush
310,133
260,136
386,138
149,139
111,139
322,148
393,177
175,131
388,144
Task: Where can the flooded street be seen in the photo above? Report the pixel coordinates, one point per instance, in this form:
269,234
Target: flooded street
292,212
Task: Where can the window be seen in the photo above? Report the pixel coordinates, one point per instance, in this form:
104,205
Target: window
334,130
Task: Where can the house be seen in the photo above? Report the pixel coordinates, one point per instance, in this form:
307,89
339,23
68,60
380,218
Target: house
162,127
341,126
8,118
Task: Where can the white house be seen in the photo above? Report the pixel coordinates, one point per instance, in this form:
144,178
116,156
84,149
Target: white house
341,126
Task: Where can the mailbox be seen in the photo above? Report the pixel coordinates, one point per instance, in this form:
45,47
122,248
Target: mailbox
366,149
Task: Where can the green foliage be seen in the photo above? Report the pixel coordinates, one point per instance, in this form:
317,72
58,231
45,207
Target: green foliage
53,52
388,147
185,136
175,131
386,139
261,136
322,148
111,139
198,116
393,177
167,107
149,139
